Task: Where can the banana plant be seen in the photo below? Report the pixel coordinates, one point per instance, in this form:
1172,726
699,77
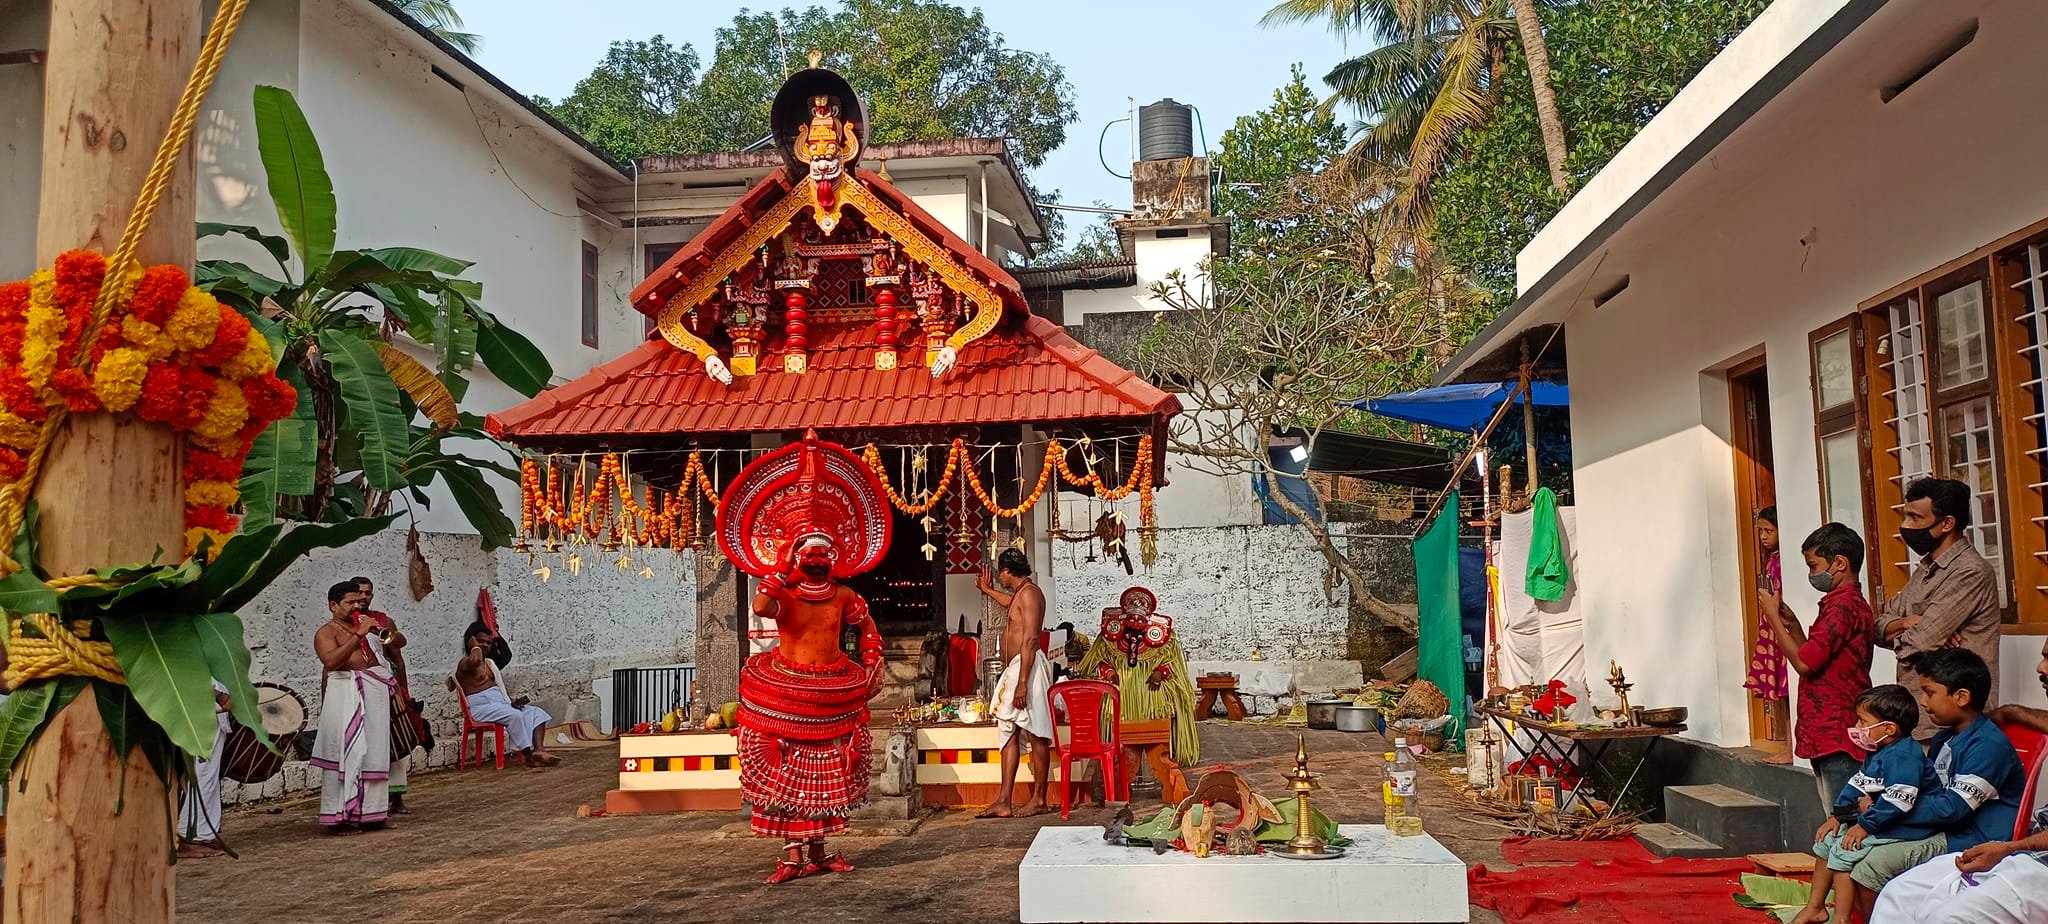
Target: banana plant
339,322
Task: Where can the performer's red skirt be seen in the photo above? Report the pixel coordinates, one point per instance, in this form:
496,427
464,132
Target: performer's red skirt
804,745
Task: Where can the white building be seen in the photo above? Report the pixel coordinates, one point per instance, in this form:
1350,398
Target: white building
1844,208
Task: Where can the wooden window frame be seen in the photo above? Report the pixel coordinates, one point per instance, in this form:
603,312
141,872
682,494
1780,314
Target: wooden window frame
1853,415
2020,436
650,263
588,291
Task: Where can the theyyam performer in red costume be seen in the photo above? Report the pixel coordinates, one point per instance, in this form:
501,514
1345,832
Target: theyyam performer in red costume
802,519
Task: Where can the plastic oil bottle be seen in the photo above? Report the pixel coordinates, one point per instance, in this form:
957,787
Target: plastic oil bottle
1399,791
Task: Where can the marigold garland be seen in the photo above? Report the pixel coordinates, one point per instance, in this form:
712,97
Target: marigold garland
170,353
558,502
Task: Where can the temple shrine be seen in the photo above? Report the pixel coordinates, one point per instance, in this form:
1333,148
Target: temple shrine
827,299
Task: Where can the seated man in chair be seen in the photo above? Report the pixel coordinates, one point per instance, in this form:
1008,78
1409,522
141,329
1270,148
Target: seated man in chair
485,695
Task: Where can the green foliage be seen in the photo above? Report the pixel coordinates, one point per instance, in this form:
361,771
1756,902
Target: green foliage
1263,158
440,18
173,630
925,70
1092,241
350,445
1614,65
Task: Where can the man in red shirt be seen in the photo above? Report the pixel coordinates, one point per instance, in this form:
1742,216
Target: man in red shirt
1833,660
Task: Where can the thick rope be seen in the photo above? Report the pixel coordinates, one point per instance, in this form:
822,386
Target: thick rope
62,651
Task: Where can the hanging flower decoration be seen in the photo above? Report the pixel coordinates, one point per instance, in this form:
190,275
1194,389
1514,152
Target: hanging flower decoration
559,500
169,352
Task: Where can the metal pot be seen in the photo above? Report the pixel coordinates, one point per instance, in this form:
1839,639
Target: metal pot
1322,713
1357,718
991,674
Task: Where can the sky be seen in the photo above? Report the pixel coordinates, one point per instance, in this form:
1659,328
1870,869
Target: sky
1211,53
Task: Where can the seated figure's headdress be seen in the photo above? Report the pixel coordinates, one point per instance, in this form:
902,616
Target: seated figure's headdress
802,493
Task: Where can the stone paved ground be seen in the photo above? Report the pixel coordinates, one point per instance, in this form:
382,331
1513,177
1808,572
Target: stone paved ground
486,845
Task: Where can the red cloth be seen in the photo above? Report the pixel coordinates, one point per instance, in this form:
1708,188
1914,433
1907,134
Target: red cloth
1837,657
963,666
803,789
1523,851
1624,891
803,744
784,699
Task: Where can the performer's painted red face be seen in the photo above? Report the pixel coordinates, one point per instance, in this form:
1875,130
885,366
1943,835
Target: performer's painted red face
815,561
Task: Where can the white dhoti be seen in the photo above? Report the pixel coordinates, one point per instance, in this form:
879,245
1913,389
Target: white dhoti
354,748
1036,716
521,722
2013,892
199,818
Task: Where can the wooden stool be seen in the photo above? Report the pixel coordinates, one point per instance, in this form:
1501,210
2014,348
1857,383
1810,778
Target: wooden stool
1154,741
1214,685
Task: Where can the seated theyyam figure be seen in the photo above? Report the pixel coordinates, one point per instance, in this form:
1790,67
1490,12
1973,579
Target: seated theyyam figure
485,694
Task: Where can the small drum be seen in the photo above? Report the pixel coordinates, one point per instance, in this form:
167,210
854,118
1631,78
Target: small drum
244,759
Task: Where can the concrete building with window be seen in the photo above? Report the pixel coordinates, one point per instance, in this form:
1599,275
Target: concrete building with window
1815,276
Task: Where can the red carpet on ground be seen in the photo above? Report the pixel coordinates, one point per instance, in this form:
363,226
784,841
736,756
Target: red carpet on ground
1631,891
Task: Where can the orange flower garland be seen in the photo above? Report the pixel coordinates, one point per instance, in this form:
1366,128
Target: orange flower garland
562,504
170,352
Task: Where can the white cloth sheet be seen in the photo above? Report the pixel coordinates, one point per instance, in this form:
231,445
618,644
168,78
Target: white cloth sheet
2013,892
1540,641
199,817
521,722
1036,716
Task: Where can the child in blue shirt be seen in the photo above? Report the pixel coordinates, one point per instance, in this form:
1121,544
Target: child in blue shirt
1877,805
1980,772
1981,781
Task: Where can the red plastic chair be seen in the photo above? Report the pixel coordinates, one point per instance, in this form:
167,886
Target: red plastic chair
2033,749
1082,701
474,731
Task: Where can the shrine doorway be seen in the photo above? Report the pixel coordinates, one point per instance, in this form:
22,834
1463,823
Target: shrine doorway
906,593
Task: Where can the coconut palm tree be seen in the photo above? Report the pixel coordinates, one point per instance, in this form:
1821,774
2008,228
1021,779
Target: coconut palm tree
440,18
1435,77
1537,52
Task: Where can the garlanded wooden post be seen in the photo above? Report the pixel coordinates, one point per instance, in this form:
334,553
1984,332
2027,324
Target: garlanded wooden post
111,491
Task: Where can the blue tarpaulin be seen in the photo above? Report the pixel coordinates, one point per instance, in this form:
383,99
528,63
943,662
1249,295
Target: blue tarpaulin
1464,408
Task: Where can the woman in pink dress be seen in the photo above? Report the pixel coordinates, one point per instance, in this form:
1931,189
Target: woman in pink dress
1766,663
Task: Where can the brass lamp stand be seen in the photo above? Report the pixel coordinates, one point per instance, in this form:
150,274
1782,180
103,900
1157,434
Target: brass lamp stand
1305,845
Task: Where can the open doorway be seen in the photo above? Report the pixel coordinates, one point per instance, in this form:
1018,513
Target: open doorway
1756,495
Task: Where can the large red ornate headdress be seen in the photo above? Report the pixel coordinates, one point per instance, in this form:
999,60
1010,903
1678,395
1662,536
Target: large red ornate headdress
805,489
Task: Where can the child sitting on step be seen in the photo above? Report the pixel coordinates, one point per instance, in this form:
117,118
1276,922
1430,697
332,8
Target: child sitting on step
1876,807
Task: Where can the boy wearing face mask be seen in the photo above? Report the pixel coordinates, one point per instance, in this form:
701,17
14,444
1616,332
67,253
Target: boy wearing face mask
1832,660
1875,807
1952,598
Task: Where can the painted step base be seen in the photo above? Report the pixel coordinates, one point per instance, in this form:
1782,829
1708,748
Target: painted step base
1069,874
1668,840
1736,821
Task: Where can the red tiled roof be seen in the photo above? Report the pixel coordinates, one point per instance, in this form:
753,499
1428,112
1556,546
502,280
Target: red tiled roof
1033,372
695,257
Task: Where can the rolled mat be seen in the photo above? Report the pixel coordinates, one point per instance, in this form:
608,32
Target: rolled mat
1524,851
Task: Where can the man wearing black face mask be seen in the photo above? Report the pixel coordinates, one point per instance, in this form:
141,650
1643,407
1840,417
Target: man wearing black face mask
1952,597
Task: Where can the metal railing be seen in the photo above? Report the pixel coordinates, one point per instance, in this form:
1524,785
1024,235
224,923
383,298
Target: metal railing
645,694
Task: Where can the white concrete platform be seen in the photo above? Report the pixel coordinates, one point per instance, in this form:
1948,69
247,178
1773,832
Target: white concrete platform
1071,875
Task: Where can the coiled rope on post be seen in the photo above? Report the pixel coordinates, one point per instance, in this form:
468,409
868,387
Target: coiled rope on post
55,648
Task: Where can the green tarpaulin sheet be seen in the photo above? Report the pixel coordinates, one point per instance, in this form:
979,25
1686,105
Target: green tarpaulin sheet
1441,656
1547,572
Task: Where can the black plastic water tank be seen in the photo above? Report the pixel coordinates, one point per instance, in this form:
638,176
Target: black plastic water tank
1166,131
